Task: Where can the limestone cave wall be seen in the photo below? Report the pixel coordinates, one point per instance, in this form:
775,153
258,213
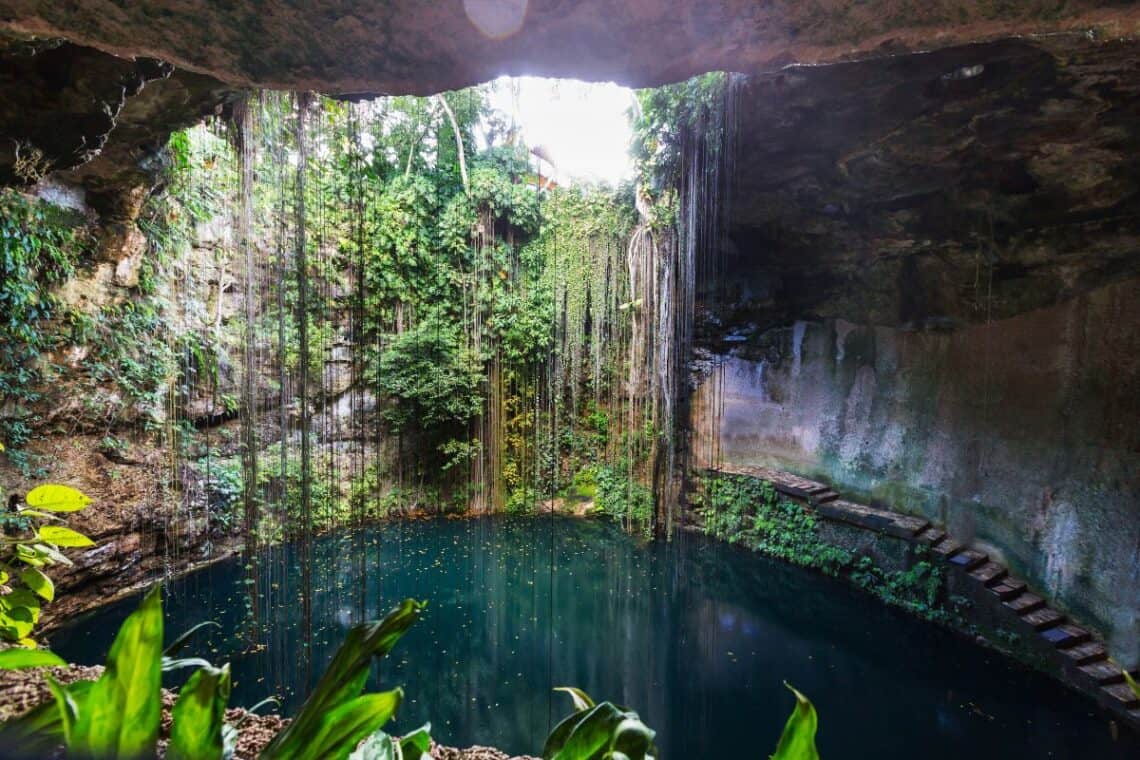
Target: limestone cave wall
1022,434
929,297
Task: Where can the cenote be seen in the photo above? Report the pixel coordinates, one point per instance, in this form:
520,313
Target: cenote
696,635
793,345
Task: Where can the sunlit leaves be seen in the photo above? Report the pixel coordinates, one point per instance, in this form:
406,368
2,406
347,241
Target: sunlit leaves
119,716
61,536
20,608
57,498
39,583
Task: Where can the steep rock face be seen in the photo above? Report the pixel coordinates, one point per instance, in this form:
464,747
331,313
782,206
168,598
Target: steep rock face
111,80
929,299
411,47
67,106
96,124
1022,434
936,190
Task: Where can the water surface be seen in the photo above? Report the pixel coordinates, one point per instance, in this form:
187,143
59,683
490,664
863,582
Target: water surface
695,635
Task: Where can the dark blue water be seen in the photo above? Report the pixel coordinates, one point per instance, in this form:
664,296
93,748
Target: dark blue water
695,635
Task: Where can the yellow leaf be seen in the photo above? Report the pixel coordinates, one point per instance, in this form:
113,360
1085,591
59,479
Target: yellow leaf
1132,683
60,536
57,498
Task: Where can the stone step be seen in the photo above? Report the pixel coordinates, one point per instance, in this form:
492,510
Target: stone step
989,574
1025,603
931,536
1008,588
1044,618
947,548
1122,694
791,485
911,526
969,559
1103,672
1067,635
1084,654
884,521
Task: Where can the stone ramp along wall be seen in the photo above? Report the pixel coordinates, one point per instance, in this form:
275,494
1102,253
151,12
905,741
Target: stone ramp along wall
1020,436
1000,603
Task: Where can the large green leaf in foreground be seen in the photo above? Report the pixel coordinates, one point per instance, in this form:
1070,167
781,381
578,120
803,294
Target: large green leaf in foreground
599,732
199,716
798,740
118,717
335,718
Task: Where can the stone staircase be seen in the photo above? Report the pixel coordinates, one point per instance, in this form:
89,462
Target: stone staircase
1082,659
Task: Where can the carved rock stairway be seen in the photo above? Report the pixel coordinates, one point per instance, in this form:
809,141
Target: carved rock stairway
1084,659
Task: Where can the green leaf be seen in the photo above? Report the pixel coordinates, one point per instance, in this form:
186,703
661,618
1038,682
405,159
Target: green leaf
29,556
415,745
378,746
57,498
37,513
602,731
344,679
39,583
798,740
67,708
120,715
581,699
53,554
345,727
180,643
199,716
170,664
1132,683
40,730
381,746
24,599
17,658
61,536
16,623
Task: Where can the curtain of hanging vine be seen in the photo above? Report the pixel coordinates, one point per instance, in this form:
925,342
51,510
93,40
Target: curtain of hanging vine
409,319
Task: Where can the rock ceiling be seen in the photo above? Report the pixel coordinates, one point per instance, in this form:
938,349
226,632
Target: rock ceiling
949,141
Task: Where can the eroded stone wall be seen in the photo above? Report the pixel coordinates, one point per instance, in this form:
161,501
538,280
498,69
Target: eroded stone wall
1022,434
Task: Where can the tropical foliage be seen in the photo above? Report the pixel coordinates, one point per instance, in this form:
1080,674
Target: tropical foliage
119,715
31,543
607,732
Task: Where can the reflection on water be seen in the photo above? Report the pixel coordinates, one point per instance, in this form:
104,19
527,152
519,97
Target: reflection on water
696,636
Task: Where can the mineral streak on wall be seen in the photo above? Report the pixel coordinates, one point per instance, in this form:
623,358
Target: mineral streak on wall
1022,434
